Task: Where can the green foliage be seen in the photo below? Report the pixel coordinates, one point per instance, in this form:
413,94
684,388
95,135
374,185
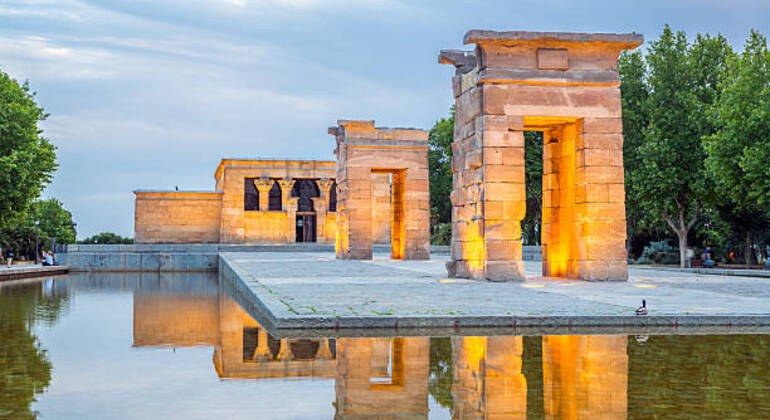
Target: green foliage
25,369
107,238
442,234
440,167
739,151
27,160
440,380
533,176
660,252
55,223
668,97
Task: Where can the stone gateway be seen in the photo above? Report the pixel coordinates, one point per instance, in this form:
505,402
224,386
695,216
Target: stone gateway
565,85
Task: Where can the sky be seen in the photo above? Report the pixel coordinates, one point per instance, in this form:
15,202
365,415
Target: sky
152,93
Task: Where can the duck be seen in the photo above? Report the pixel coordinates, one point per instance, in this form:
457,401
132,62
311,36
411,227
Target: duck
642,310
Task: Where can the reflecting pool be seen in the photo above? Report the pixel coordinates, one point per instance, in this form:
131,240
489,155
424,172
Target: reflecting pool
177,346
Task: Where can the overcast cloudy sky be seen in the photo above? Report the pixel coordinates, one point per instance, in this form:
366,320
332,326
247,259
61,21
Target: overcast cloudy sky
152,93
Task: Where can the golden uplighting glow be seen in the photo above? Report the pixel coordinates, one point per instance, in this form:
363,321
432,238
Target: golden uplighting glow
645,285
532,285
447,281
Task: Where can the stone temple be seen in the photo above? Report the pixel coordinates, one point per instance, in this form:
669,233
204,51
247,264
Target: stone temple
383,199
565,85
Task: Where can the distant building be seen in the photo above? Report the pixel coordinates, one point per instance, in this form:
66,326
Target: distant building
255,201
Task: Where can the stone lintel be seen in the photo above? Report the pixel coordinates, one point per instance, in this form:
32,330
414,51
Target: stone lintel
549,77
464,61
347,130
478,36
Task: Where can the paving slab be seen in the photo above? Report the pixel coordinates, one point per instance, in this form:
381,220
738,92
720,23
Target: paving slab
315,292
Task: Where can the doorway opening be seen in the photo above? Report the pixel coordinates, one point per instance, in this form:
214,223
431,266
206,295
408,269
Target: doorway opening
306,227
397,210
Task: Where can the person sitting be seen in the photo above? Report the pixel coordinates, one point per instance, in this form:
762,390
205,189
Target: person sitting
47,258
9,256
707,261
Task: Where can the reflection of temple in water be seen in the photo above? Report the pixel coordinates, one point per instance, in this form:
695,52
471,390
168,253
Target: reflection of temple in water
379,378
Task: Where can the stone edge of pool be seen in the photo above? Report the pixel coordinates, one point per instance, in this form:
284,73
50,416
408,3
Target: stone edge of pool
259,305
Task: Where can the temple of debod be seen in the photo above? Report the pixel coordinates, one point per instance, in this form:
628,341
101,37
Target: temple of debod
565,85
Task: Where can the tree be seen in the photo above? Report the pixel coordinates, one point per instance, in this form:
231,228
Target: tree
670,180
440,167
27,160
533,178
107,238
739,150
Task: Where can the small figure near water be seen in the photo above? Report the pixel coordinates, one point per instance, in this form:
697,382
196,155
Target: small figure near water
642,310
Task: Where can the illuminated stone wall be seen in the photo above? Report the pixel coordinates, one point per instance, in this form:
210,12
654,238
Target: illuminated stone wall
271,226
382,378
365,153
487,382
177,217
567,86
585,377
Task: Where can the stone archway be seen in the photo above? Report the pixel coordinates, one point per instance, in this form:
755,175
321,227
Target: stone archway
566,85
365,152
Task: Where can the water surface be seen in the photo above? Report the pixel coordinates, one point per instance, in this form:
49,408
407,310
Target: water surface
177,346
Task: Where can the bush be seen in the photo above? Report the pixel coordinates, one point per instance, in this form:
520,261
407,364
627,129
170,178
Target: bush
660,252
442,234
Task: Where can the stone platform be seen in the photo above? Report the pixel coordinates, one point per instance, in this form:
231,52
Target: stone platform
321,296
29,271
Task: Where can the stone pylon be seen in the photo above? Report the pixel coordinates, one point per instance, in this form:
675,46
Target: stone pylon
565,85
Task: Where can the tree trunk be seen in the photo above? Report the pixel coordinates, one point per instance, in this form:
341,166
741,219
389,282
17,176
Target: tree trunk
682,235
682,228
747,251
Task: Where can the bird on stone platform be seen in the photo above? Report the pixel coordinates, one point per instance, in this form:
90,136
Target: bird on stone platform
642,310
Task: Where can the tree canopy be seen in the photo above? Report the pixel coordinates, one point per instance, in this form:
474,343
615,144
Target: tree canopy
27,160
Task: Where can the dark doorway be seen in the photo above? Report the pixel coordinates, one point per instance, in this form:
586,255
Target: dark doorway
306,228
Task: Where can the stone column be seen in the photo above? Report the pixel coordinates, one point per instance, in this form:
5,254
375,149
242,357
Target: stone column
262,352
600,201
291,219
286,186
323,352
263,186
284,351
585,376
321,205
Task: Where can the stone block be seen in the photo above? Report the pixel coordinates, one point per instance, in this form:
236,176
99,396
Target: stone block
505,191
616,193
504,271
596,229
552,59
601,211
468,105
504,173
601,249
504,249
502,230
602,125
601,141
505,210
599,175
592,193
503,138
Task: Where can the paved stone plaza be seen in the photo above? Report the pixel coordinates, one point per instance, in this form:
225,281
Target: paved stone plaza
290,291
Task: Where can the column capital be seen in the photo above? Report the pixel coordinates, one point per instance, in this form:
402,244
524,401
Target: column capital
286,184
263,184
324,185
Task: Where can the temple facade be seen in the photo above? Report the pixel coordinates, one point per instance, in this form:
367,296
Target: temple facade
259,201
